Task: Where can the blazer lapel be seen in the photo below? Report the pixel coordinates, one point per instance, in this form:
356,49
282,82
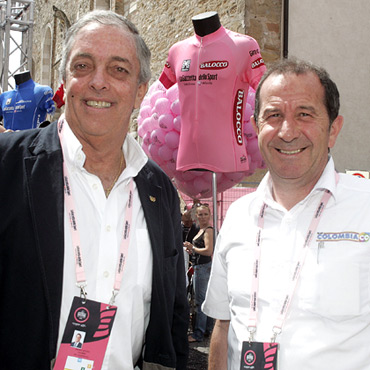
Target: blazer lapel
44,172
151,201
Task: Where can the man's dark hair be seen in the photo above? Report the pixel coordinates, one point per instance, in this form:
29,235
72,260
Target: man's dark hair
300,67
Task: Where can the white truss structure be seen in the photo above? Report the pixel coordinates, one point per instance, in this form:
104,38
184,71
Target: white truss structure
16,28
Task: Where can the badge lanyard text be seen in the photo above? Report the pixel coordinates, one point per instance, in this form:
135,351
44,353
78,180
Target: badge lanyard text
253,312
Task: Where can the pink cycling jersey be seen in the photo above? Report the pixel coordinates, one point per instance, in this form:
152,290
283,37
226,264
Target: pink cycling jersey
213,74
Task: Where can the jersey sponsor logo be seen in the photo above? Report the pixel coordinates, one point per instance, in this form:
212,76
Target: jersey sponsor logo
215,64
8,101
186,65
343,236
238,116
258,63
254,52
8,109
208,77
187,78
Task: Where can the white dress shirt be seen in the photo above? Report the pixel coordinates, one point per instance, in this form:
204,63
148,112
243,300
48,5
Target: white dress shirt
328,323
100,222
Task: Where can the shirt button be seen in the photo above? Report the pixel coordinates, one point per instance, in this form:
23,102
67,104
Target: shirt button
106,274
108,228
79,156
95,186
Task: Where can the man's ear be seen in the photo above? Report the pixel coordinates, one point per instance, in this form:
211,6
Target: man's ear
141,91
335,128
254,124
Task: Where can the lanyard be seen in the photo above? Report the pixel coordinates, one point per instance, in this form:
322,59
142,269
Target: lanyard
253,311
79,263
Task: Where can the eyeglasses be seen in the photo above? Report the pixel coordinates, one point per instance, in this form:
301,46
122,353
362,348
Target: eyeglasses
202,205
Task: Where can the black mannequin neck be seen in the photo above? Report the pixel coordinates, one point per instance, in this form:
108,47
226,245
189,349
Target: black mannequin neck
22,77
206,23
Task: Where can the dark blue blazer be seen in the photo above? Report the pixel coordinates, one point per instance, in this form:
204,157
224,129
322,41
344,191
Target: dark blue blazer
32,252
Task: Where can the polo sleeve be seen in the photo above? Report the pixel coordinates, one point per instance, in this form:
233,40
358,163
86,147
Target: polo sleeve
216,303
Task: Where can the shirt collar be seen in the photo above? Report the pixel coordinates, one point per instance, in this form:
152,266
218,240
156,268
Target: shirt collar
212,37
134,155
327,181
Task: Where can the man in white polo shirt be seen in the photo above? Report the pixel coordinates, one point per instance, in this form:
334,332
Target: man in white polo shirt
290,285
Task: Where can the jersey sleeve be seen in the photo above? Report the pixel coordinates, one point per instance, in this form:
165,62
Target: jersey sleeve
255,66
46,102
168,76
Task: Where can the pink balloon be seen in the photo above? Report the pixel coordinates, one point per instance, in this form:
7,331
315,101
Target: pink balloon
174,155
187,188
177,123
155,96
249,131
175,107
248,112
145,111
173,93
158,136
202,186
165,152
157,85
170,168
162,106
197,173
154,153
188,175
235,176
165,121
147,139
251,96
147,124
172,139
145,102
252,147
155,121
140,130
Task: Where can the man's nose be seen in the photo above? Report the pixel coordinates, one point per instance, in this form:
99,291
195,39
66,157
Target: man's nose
289,129
99,80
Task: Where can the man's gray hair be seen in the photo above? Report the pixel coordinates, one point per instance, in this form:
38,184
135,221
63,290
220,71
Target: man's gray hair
108,18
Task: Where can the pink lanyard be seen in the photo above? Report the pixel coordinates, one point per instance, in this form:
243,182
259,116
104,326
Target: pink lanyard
253,312
79,265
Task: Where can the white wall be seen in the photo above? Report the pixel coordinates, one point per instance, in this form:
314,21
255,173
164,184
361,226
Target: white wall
335,34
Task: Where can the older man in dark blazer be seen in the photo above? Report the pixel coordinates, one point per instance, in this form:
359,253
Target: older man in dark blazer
104,78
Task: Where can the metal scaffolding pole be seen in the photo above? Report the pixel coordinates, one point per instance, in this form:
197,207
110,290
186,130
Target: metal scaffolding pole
16,28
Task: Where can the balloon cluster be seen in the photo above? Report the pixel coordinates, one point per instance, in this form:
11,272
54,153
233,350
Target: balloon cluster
159,126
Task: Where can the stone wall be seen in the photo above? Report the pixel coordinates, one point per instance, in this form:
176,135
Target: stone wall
162,23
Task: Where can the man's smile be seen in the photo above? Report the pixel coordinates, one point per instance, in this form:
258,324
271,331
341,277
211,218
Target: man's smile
98,104
290,152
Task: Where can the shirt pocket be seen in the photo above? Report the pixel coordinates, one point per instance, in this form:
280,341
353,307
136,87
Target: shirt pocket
336,283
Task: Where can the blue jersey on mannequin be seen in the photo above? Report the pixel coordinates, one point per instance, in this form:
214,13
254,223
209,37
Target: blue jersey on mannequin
26,106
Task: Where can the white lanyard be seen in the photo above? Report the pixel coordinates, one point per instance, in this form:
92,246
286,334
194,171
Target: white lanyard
79,265
253,312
